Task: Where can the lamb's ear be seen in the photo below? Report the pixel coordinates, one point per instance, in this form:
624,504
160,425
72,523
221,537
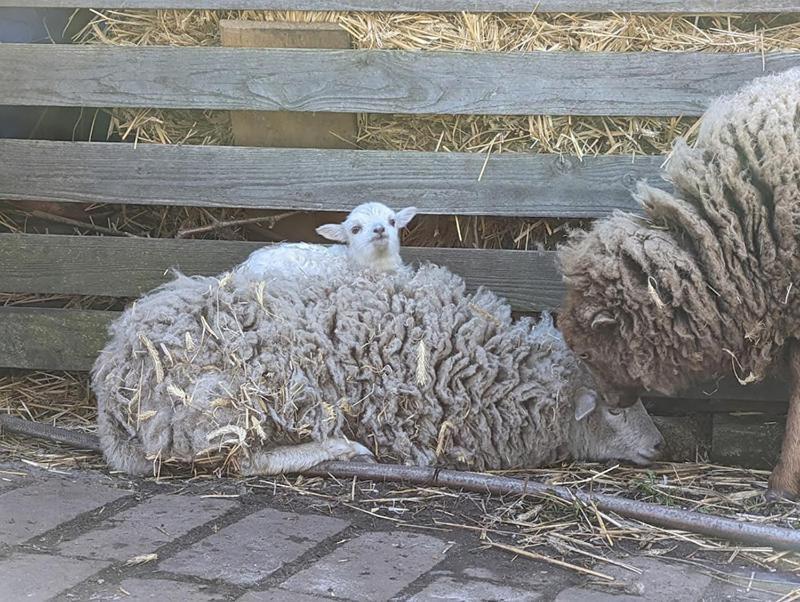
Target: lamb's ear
585,404
335,232
404,216
603,318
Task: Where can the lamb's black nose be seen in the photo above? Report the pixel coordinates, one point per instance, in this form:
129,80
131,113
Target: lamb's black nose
379,230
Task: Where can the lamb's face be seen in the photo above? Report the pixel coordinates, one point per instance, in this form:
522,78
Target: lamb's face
372,235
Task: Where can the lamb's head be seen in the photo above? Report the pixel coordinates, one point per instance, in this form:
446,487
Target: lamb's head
625,312
599,432
372,235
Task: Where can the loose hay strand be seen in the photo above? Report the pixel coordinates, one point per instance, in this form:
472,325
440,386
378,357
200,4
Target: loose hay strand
547,559
154,357
423,359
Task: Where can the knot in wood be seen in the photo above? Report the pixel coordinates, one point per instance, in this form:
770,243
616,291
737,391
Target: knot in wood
564,165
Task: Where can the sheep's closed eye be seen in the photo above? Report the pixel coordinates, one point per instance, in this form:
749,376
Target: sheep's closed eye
355,229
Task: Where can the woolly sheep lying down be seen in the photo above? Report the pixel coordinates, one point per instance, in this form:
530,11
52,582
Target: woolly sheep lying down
706,284
406,364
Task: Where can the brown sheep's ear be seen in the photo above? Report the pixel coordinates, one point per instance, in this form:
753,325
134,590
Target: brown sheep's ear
585,404
603,318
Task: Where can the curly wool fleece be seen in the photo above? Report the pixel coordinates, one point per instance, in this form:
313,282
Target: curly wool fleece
408,364
706,282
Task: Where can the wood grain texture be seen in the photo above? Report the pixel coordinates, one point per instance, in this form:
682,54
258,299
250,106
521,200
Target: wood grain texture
773,396
752,440
323,180
474,6
70,339
51,339
128,267
283,128
376,81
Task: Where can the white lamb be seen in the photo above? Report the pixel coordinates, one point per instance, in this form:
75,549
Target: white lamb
371,241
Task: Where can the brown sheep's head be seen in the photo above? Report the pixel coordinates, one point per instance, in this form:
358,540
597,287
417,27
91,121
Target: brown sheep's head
598,334
632,342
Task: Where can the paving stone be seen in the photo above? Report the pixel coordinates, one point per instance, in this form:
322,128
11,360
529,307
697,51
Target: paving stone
249,550
34,509
161,590
372,567
777,585
12,481
33,577
661,581
145,527
448,588
280,595
578,594
508,571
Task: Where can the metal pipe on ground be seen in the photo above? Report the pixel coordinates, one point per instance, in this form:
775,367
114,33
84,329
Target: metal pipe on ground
77,439
653,514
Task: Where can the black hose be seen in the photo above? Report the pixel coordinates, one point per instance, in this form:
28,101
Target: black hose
654,514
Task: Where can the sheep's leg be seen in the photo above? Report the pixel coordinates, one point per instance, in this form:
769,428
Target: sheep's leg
784,482
296,458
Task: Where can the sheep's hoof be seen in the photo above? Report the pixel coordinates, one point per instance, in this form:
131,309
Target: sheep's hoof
777,495
783,485
344,450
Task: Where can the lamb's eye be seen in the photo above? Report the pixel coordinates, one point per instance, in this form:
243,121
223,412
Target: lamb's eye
584,356
615,411
391,222
355,229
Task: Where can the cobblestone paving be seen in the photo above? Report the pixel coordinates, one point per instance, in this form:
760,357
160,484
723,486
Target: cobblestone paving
85,535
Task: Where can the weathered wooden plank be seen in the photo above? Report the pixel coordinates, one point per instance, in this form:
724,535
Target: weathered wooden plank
376,81
69,339
285,128
474,6
729,397
747,439
327,180
51,339
128,267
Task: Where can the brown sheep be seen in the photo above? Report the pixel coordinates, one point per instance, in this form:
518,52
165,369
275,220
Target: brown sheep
706,282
